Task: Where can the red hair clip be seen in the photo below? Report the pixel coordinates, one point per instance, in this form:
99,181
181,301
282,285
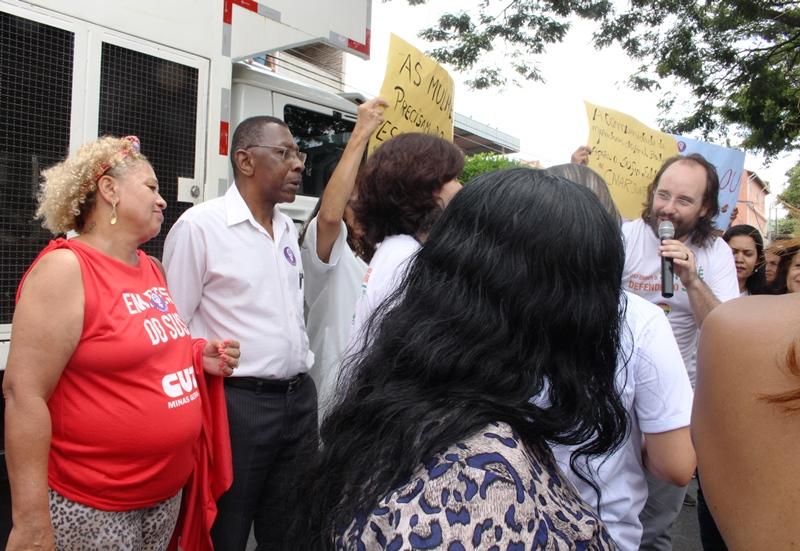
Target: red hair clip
136,145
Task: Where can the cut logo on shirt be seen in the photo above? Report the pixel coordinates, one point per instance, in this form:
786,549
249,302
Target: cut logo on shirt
181,385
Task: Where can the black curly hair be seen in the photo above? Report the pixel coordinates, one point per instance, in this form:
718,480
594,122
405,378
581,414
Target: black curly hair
516,293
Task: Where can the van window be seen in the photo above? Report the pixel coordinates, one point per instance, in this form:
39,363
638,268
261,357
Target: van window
35,111
322,137
156,100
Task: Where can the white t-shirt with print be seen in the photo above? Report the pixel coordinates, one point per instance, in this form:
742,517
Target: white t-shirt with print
642,276
382,277
657,395
331,291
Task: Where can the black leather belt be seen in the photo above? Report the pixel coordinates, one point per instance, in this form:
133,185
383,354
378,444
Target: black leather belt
281,386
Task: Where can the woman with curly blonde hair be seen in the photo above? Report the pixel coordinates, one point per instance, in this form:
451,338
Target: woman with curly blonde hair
102,408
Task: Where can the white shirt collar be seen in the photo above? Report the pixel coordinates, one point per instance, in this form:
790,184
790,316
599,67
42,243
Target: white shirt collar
237,211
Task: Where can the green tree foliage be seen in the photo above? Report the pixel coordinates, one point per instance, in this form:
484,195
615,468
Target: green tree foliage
791,194
787,226
739,58
790,198
480,163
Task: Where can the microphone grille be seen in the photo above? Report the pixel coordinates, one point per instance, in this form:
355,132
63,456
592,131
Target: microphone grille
666,230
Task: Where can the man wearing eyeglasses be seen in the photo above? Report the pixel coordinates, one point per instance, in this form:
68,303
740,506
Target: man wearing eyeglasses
235,269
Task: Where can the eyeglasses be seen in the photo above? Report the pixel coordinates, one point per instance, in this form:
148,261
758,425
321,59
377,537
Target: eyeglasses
286,152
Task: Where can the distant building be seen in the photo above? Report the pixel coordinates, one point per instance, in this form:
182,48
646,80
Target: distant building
753,192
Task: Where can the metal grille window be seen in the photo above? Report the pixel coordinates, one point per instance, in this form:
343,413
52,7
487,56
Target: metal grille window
323,138
156,100
35,106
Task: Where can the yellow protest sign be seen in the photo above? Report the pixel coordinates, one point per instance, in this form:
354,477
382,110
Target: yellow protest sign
419,92
627,154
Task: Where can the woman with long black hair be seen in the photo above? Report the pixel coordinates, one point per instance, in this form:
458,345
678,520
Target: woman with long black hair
433,441
748,251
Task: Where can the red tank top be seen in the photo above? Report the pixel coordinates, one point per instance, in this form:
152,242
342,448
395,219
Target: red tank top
126,411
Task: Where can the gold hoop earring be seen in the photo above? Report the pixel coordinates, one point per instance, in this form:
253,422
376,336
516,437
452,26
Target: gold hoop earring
113,212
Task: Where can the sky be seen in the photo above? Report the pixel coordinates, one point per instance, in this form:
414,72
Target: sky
548,118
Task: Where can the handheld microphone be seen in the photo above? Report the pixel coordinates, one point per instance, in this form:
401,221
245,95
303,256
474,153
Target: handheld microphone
666,231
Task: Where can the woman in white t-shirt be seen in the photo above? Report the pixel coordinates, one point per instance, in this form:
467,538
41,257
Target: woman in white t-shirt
402,191
333,269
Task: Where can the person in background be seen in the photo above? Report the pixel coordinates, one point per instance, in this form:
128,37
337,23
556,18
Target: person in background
684,192
748,253
655,390
102,403
787,276
772,259
238,260
581,155
586,177
745,421
403,189
434,442
333,270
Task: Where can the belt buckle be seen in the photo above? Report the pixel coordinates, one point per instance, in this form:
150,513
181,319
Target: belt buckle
294,382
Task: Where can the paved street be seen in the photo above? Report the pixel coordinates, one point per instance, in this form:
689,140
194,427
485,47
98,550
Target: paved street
686,532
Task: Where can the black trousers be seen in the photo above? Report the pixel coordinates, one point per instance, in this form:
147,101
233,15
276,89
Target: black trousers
710,537
271,434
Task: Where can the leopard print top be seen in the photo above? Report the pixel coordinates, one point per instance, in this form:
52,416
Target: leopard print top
486,493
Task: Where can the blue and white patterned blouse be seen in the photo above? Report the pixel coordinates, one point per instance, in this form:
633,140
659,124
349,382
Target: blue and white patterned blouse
488,492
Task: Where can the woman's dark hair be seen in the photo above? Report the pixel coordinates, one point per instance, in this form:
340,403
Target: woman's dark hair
515,294
786,250
757,282
397,187
703,232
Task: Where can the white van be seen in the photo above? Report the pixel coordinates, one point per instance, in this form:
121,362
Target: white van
170,73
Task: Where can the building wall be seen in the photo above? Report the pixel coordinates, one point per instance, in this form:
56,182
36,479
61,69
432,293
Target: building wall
752,202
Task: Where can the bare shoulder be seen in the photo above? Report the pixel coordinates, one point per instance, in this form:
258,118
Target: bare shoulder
56,272
761,320
747,391
744,356
50,309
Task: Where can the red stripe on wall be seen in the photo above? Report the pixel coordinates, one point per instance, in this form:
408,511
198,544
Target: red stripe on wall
247,4
224,126
359,47
227,11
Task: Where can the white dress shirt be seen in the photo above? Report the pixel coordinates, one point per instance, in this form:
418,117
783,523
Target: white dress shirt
230,279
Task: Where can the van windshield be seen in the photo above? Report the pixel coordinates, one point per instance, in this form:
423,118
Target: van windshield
323,138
